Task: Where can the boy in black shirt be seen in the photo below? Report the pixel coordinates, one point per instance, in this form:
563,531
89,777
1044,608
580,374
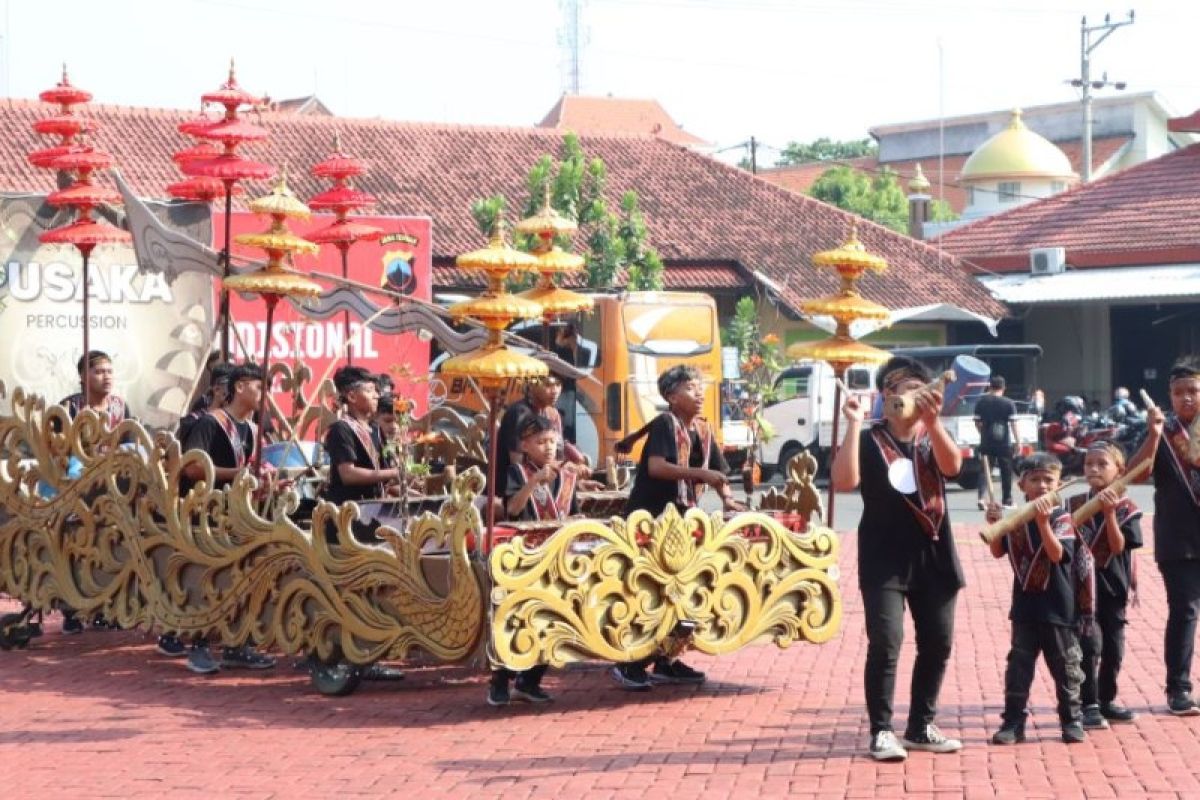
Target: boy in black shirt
539,488
994,418
1111,535
1174,443
356,470
1052,572
906,553
679,460
228,436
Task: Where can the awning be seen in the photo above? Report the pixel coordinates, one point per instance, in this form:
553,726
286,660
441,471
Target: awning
936,312
1177,282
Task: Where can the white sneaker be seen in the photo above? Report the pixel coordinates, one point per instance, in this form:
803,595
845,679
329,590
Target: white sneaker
931,740
886,747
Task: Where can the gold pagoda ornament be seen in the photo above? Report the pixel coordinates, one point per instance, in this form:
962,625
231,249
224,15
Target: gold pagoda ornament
546,226
493,365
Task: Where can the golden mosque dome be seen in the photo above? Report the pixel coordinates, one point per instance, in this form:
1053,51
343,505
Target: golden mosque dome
1017,152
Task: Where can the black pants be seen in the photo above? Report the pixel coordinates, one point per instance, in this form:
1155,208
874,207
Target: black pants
1103,651
1004,458
1182,581
1059,646
526,677
932,609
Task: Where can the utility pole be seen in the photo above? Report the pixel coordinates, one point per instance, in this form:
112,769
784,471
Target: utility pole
571,39
1085,82
753,156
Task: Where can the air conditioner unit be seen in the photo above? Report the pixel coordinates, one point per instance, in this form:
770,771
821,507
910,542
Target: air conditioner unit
1047,260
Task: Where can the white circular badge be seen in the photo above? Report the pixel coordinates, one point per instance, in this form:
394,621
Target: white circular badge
901,477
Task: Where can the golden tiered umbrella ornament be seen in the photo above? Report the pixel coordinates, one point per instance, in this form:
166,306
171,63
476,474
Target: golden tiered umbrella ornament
275,280
493,366
851,261
547,226
80,161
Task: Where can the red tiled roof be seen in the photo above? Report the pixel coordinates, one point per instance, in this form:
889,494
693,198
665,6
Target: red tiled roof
1147,214
801,177
616,115
698,210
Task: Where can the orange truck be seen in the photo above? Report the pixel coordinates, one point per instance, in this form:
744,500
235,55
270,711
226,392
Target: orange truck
623,346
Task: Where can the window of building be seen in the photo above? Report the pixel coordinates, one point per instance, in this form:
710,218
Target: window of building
1009,191
970,195
1057,186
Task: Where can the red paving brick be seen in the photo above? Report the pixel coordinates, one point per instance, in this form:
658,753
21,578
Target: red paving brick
102,715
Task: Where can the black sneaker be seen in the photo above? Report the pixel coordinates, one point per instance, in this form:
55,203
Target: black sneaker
675,672
631,677
1115,712
171,646
1009,734
72,625
1093,720
530,694
931,740
1181,704
497,695
245,657
201,662
1074,733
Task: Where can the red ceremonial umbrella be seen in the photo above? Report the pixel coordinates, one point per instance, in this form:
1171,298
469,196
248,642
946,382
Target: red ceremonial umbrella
84,233
224,165
341,199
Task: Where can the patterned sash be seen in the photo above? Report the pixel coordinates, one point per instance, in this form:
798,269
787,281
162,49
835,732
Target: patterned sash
547,506
229,426
931,486
690,491
1027,555
1090,530
114,407
363,433
1179,445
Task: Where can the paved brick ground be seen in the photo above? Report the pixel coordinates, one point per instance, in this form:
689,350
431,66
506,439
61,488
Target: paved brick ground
102,715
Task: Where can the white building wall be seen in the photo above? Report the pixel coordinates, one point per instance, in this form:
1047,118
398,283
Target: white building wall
1076,345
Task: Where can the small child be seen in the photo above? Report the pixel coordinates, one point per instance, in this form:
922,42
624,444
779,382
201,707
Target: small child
538,488
1049,568
1111,535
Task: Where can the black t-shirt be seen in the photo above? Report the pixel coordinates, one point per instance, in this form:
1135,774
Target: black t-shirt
894,552
516,480
344,447
653,494
1056,603
994,413
208,435
1176,515
1114,580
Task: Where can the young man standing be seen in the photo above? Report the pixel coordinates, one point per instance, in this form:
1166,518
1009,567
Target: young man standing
228,436
1172,442
906,553
994,418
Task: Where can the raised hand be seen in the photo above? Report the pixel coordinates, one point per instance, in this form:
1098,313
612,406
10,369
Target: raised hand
993,513
1108,499
853,410
929,405
1043,506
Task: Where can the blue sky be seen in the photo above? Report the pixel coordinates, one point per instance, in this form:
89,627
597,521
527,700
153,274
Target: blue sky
777,69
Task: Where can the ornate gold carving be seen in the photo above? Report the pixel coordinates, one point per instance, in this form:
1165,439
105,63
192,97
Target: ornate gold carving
120,541
799,495
616,592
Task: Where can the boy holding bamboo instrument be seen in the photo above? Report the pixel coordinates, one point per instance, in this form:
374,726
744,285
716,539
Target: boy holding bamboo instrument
1174,444
1111,535
1052,590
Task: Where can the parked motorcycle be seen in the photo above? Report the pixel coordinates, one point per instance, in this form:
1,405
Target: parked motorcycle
1071,430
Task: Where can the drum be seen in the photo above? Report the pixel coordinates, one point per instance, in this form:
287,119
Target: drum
295,455
602,504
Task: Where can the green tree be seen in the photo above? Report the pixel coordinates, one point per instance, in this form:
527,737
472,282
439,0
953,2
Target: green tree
878,198
826,149
611,240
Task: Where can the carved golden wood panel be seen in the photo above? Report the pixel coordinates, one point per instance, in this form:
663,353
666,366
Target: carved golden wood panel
118,540
616,592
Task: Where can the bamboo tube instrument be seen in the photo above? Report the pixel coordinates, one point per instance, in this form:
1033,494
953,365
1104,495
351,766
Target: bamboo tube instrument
902,407
1093,506
1020,517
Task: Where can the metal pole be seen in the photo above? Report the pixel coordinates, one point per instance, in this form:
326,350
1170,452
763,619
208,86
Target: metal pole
346,314
1085,74
271,300
833,444
225,255
83,376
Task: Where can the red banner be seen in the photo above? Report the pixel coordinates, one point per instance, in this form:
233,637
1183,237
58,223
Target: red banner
401,261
